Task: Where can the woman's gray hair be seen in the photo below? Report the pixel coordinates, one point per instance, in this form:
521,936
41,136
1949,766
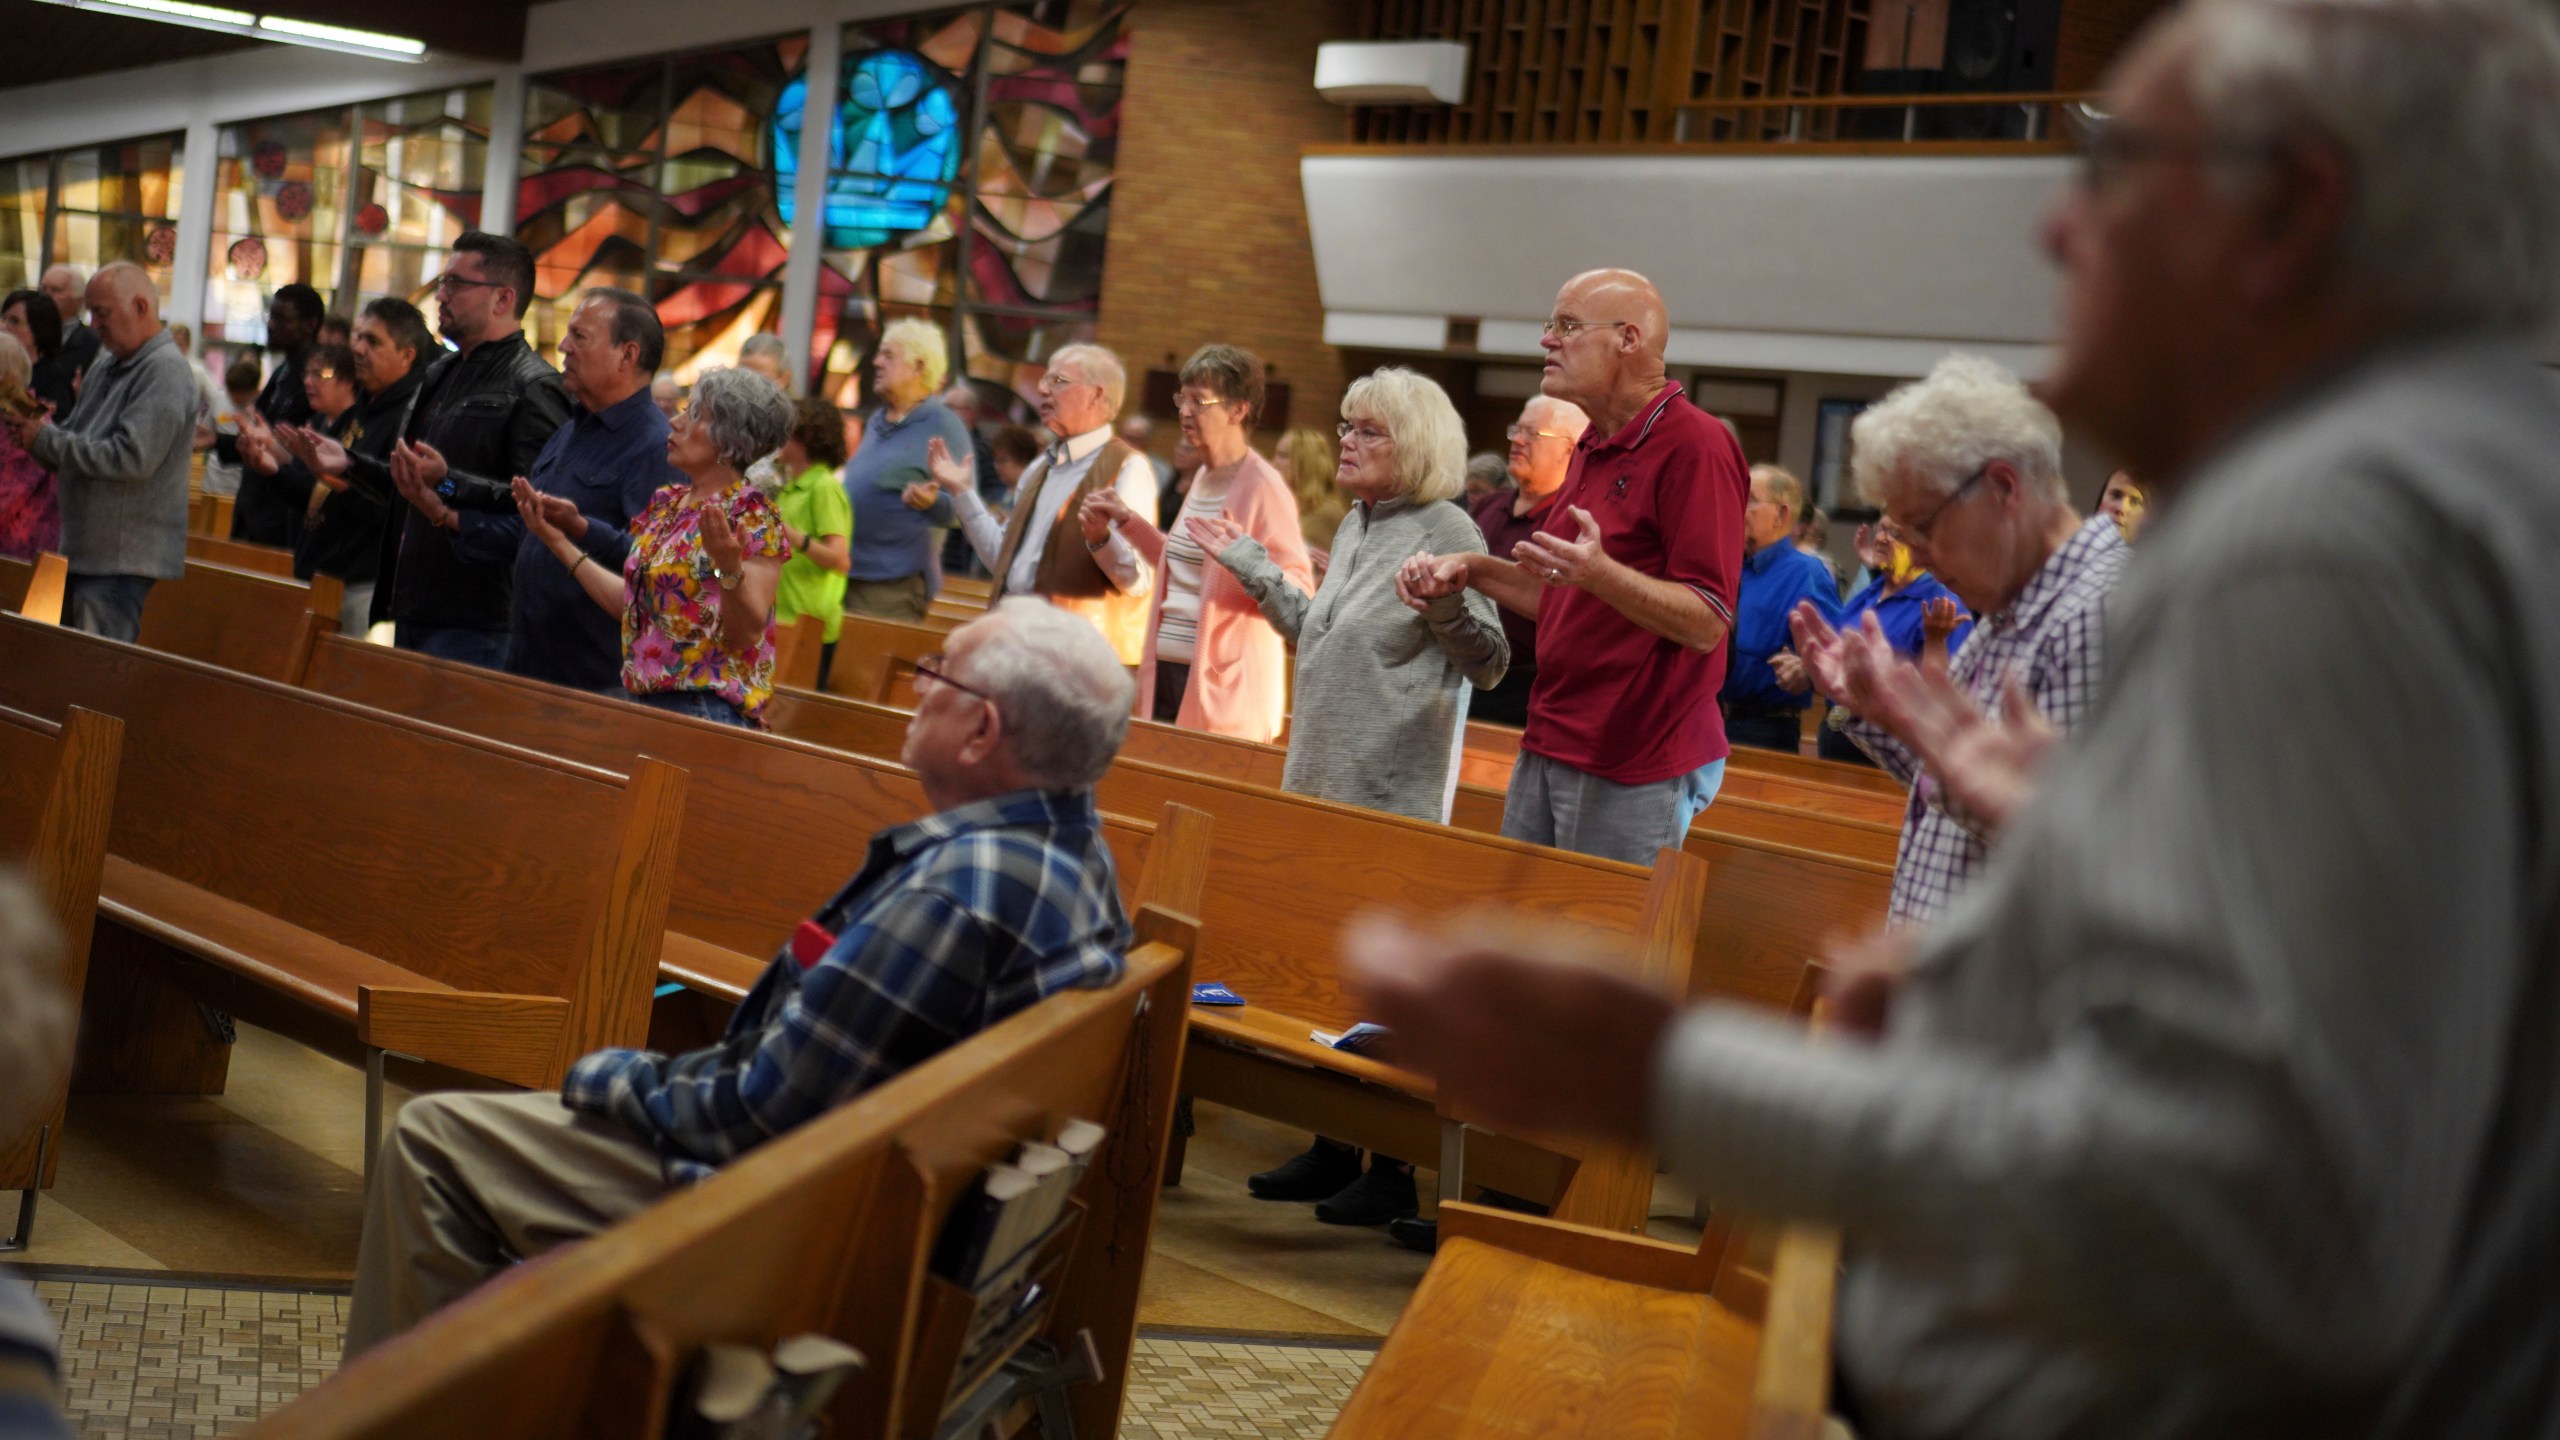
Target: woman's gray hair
1430,442
748,416
1966,414
2447,114
35,1013
1062,690
924,345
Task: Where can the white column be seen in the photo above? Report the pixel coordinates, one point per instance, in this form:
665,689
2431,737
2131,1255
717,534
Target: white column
506,149
809,196
195,227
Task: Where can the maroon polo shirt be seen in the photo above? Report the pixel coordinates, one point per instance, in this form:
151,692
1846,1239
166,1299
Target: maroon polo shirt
1613,699
1503,530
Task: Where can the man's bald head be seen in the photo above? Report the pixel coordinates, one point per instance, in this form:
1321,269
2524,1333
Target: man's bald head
124,306
1605,341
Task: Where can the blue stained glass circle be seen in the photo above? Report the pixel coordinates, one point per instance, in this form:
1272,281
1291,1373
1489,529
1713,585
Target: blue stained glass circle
892,153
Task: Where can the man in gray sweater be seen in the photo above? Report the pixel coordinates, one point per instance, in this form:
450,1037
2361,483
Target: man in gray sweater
122,458
2226,1100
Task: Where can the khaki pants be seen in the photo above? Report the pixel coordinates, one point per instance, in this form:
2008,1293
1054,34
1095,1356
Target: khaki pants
904,599
467,1184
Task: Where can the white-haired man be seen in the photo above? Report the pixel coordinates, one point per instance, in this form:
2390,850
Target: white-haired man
122,458
1004,895
1968,469
1048,546
1541,455
2226,1101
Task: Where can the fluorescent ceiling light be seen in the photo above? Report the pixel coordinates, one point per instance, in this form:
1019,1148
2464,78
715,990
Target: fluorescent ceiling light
279,28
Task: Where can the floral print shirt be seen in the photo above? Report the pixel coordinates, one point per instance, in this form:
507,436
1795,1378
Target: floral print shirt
30,517
671,620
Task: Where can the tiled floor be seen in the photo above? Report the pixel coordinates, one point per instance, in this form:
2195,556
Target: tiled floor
158,1362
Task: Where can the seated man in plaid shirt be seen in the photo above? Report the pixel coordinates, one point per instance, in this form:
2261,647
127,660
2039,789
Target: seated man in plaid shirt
1004,895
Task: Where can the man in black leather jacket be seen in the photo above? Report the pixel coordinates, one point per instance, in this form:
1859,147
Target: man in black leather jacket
482,415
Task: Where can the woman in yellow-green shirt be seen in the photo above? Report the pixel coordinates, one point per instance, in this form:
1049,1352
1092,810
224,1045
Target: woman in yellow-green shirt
818,520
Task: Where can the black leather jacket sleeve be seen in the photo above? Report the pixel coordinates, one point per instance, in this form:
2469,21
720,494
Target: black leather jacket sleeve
541,407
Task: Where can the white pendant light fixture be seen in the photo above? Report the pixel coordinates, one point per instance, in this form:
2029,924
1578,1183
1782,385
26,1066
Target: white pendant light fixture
279,28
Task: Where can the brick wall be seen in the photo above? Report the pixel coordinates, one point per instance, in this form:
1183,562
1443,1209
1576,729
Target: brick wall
1208,223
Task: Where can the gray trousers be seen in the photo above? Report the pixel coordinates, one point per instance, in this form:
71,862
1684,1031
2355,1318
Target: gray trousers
467,1184
1551,803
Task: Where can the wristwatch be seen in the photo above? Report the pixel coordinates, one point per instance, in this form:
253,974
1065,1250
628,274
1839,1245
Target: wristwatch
728,580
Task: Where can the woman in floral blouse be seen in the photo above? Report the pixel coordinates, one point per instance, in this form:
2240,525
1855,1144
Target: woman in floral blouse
696,590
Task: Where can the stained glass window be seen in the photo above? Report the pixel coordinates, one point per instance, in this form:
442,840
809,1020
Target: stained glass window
355,203
279,218
999,237
25,188
659,177
117,201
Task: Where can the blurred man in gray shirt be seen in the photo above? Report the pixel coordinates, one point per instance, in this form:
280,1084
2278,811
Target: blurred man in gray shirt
2227,1101
122,458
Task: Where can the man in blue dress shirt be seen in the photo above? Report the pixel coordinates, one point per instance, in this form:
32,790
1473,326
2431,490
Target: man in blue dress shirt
1758,711
602,466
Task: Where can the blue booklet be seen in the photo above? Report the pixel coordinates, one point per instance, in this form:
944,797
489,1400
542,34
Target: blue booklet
1210,992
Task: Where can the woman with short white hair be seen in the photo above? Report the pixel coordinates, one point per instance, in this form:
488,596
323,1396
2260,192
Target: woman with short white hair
1381,688
898,513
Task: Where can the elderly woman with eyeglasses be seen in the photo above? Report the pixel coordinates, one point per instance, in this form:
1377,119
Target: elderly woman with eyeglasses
1381,687
1212,661
696,594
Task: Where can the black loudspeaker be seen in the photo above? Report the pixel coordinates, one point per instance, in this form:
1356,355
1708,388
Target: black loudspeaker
1991,47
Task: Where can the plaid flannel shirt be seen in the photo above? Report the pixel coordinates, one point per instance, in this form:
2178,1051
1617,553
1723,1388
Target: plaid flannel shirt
2053,638
955,922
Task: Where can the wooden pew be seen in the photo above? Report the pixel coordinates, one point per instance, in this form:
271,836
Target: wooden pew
241,620
241,555
34,588
209,515
876,659
826,1229
797,648
1288,873
57,794
1475,808
1527,1329
772,826
359,881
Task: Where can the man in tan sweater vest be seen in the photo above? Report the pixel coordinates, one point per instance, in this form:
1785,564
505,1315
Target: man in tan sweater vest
1045,547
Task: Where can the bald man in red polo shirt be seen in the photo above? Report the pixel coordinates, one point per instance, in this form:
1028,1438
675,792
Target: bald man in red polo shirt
1632,582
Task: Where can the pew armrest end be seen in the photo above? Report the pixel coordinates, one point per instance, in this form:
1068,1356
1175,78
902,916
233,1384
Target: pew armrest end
1633,1259
515,1038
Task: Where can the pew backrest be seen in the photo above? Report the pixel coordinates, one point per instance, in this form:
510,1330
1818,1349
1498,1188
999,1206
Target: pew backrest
476,865
261,625
33,588
241,555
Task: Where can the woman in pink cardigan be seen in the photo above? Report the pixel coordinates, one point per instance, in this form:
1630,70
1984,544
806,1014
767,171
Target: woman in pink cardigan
1212,662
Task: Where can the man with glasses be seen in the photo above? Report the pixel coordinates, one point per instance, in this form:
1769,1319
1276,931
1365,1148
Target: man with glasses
1759,710
1003,896
2227,1099
1631,578
1542,442
1968,469
483,415
1049,546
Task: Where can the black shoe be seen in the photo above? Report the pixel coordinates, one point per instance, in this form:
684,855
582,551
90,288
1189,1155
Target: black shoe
1422,1235
1323,1170
1384,1193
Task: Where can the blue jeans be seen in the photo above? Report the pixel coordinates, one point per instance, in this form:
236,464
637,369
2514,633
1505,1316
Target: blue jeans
107,606
484,648
700,704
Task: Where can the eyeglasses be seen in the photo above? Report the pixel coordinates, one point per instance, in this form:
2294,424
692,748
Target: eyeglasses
1523,432
930,667
2109,148
1918,531
1053,382
450,281
1558,329
1361,434
1186,405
